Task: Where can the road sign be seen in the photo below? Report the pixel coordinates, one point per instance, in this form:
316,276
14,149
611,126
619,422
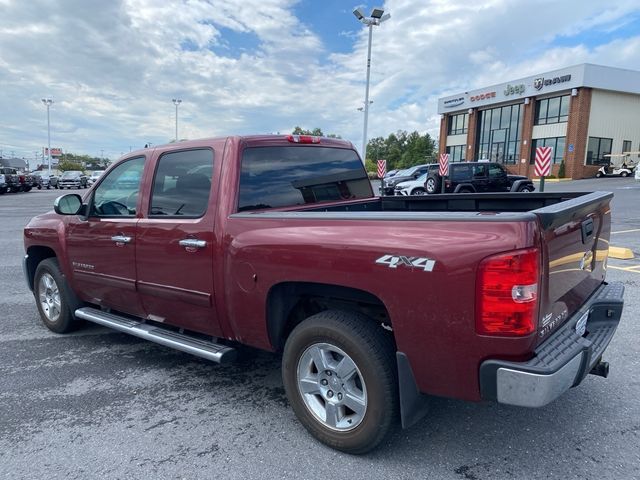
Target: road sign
444,165
382,168
543,161
571,147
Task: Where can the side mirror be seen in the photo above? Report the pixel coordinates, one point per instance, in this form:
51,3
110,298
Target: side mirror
69,204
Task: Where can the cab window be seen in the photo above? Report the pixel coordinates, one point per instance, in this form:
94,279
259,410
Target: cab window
182,184
117,194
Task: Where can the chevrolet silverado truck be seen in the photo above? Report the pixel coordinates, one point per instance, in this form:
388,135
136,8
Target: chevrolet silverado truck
375,303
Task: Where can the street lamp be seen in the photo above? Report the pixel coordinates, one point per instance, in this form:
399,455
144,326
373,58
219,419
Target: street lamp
377,17
176,102
48,102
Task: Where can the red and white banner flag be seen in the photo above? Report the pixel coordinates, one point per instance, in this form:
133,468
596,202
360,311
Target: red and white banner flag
543,161
444,165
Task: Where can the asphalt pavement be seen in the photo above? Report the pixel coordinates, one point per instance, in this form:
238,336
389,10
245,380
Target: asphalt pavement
100,404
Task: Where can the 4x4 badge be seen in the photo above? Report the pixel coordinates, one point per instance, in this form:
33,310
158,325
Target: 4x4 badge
395,261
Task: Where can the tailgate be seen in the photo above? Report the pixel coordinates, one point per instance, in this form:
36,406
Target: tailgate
575,246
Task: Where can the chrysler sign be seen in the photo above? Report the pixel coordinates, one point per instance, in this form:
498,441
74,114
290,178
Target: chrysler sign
453,102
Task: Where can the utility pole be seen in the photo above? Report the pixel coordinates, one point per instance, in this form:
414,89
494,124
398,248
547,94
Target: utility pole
176,102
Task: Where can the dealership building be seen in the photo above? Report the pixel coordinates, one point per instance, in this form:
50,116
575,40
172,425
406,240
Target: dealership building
583,112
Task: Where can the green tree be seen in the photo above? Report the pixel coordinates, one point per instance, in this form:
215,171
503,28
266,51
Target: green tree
402,149
316,132
65,165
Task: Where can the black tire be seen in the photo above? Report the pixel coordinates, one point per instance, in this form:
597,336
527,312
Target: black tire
39,187
65,321
525,189
598,174
371,350
432,185
465,190
418,191
624,174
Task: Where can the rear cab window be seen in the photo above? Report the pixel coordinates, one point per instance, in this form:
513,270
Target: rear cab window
286,176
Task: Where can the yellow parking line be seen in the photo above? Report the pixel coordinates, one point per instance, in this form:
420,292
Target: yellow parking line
626,231
621,253
633,269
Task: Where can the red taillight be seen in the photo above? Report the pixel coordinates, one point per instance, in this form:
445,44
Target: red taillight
303,139
507,293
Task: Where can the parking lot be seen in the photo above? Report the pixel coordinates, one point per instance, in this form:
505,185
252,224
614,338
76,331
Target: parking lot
98,403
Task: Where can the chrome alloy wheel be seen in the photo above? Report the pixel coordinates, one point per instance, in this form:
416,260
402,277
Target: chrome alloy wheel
49,296
332,387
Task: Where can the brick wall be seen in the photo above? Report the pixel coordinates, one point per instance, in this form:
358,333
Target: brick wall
470,153
442,142
577,129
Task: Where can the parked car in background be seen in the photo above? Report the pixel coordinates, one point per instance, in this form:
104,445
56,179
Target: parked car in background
53,180
415,187
16,181
478,177
4,188
95,175
411,173
391,173
41,180
73,179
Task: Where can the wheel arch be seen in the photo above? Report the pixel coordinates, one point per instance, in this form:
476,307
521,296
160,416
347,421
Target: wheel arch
464,186
35,255
289,303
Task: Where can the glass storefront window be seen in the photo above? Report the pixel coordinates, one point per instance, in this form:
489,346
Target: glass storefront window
458,124
499,134
556,143
597,148
456,153
552,110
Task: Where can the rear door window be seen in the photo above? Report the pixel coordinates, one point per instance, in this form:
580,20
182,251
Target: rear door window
273,177
182,184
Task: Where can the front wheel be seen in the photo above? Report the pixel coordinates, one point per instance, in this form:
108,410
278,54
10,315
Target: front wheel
339,374
598,174
625,174
525,189
54,298
418,191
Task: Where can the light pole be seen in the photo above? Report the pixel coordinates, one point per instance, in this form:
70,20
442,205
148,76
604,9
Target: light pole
48,102
176,102
377,17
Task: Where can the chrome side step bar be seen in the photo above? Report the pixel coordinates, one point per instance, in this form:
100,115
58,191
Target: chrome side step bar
185,343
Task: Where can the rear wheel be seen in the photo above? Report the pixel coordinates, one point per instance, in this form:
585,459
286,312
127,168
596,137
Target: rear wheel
598,174
525,189
465,190
625,174
432,185
339,373
54,298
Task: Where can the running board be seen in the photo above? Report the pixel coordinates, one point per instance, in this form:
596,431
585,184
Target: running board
185,343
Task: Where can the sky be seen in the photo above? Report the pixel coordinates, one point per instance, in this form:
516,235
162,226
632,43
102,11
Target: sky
244,67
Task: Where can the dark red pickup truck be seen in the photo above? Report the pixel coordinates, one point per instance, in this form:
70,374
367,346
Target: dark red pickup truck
278,242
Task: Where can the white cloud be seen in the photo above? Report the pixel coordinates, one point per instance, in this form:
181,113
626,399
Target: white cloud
113,67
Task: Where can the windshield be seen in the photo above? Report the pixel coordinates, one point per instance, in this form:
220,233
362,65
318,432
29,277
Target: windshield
70,174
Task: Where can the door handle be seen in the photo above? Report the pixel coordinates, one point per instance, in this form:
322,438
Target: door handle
192,243
121,239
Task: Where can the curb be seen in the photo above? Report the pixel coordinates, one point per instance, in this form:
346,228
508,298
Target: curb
553,179
620,253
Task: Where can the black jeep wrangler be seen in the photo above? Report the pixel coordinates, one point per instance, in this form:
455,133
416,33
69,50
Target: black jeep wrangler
477,177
